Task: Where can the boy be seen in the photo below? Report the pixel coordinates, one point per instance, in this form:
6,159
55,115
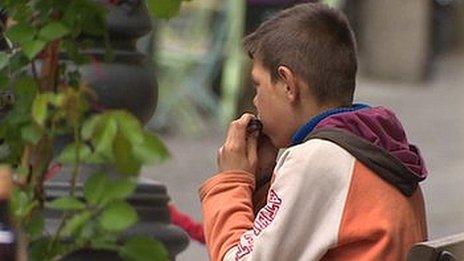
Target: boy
346,187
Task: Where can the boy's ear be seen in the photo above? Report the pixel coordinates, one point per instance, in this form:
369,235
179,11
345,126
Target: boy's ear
290,81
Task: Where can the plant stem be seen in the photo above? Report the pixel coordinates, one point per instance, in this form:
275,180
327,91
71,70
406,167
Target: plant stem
75,172
50,67
21,254
58,232
34,70
44,155
25,158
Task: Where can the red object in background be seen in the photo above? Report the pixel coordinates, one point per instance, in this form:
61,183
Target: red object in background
53,169
184,221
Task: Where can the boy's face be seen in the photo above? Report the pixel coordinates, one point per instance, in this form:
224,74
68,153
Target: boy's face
273,107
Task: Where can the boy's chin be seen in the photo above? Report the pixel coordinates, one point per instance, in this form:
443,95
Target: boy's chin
275,141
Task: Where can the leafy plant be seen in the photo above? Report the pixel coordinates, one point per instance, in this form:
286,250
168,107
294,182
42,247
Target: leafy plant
51,101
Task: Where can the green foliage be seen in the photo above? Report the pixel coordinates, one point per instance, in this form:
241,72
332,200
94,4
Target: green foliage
53,31
52,101
118,216
99,190
164,8
35,226
22,203
120,189
68,155
66,203
32,48
143,248
3,60
118,137
21,33
95,188
40,107
31,133
77,222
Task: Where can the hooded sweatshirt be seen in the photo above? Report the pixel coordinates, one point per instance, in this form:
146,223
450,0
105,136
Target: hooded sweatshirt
347,189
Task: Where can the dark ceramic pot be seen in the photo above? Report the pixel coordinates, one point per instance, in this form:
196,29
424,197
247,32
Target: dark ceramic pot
149,200
92,255
125,83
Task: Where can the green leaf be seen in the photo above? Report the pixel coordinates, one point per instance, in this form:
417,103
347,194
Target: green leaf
151,150
4,81
53,30
32,48
89,126
120,189
18,62
72,50
105,240
104,136
3,60
88,231
164,8
22,171
118,216
39,249
129,126
21,33
125,161
20,203
31,133
66,203
40,108
95,187
143,248
76,222
26,87
68,155
97,159
35,226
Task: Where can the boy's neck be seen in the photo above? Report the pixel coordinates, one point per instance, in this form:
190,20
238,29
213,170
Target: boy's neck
313,109
304,113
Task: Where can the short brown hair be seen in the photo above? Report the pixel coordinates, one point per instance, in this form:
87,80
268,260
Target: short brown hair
315,42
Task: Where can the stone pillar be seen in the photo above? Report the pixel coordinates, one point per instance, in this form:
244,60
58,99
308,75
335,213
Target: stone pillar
460,25
395,36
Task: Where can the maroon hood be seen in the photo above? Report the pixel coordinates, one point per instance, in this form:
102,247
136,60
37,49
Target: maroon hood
380,127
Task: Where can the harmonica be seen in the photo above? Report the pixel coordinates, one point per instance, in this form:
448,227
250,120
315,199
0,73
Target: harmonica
254,125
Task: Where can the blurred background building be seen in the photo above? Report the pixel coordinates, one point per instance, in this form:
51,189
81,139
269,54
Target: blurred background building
411,60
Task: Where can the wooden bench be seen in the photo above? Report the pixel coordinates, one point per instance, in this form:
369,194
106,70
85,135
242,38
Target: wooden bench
443,249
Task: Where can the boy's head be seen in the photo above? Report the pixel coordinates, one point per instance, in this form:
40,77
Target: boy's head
304,61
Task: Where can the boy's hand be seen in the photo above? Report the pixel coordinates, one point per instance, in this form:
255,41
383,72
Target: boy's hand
239,151
267,155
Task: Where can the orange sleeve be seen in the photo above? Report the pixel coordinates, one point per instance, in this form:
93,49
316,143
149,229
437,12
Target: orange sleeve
227,210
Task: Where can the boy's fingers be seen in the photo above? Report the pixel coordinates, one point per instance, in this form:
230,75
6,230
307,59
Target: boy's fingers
237,131
252,148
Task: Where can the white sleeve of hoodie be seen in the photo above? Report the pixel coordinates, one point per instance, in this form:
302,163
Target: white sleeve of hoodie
304,206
